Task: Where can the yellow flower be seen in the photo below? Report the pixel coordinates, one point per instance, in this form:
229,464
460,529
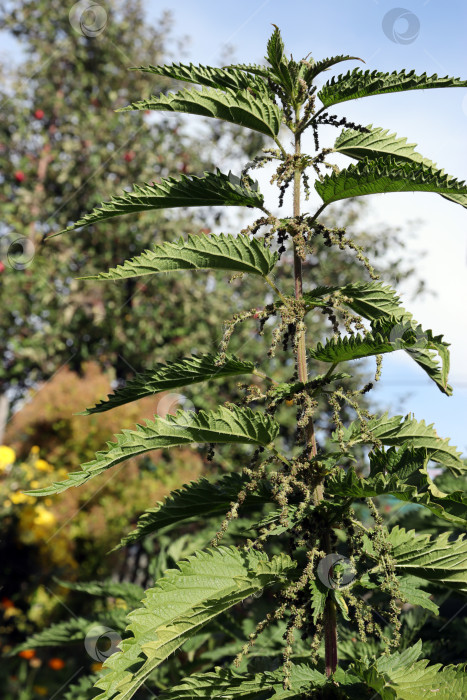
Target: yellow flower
35,450
19,497
43,517
7,503
7,456
34,484
43,466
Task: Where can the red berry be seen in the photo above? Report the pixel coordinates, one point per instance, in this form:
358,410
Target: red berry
27,654
19,176
2,268
39,114
129,155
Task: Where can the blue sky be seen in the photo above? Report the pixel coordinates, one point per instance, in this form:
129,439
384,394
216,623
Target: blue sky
435,119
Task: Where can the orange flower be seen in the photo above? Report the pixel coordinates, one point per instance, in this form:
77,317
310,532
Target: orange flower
56,664
7,603
27,654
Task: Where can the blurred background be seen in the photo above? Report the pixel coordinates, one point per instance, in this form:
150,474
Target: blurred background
65,343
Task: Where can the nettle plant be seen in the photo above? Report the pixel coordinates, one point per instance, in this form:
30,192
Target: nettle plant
311,531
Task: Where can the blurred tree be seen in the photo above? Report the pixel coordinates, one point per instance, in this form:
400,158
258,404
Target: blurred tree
58,131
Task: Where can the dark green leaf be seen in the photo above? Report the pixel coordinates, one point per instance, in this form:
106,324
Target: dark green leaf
381,305
213,189
219,252
181,603
238,107
399,430
230,77
189,370
198,499
358,83
234,425
386,174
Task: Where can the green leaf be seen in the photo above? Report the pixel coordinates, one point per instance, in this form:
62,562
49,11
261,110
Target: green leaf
318,67
410,588
386,174
400,676
131,593
402,474
180,604
224,683
358,83
183,372
354,347
293,516
238,107
399,430
229,77
377,142
234,425
381,305
82,689
372,300
430,352
441,560
214,189
275,49
281,67
319,594
67,632
252,68
458,198
198,499
219,252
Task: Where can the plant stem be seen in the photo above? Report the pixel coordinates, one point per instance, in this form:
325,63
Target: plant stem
301,349
276,289
281,147
330,636
330,619
258,373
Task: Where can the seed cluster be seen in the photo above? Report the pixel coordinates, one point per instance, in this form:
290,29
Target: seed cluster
296,484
